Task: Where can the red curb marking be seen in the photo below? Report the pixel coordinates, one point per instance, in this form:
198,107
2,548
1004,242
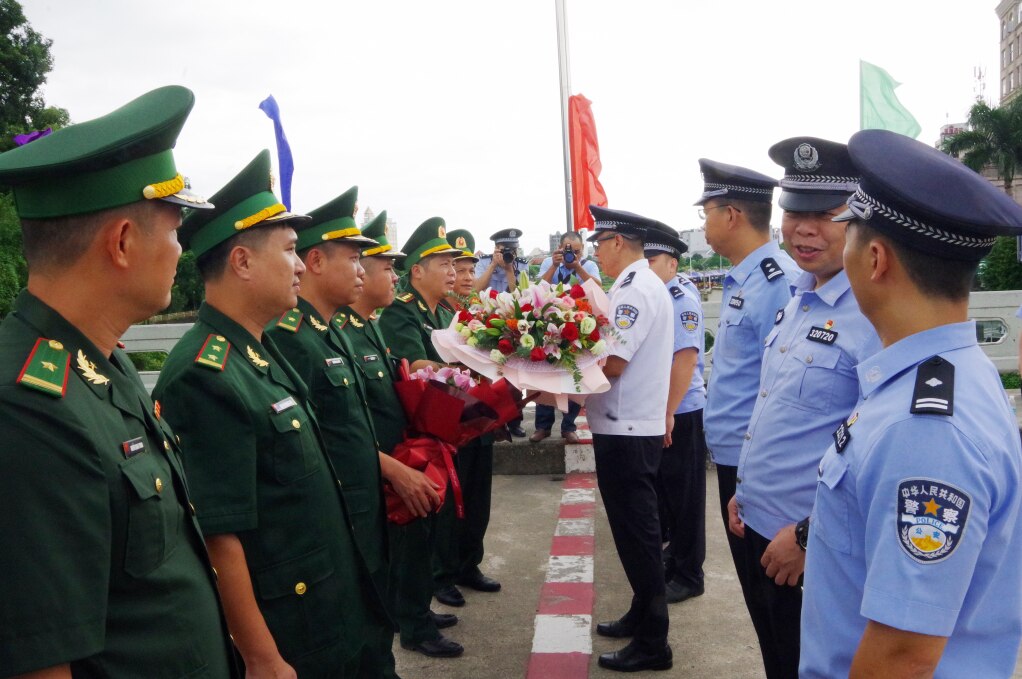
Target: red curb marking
558,666
566,598
580,481
579,510
572,545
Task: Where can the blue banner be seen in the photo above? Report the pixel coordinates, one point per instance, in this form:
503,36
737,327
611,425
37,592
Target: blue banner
284,159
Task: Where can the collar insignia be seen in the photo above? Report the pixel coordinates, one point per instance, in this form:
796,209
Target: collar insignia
88,369
316,324
254,356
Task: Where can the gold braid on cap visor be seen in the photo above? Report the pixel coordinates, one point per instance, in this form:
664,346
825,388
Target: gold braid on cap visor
164,189
262,215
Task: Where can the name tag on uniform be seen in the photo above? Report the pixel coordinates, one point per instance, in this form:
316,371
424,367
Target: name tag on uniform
285,404
821,335
371,358
334,360
133,447
736,302
842,437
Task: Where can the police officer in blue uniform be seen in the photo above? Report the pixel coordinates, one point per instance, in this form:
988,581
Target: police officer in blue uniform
736,207
914,538
807,386
627,422
681,482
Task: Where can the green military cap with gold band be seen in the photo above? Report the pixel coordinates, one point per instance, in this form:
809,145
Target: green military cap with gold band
334,221
244,202
377,230
463,241
430,238
121,158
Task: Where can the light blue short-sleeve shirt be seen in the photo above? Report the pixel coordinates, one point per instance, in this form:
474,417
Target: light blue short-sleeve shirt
807,386
564,274
689,334
754,291
498,279
916,521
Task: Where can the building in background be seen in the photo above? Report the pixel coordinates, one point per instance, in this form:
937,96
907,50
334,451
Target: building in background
1010,14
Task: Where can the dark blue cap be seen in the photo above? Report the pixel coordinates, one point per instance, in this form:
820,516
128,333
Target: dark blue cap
926,199
619,221
660,239
731,181
818,174
506,236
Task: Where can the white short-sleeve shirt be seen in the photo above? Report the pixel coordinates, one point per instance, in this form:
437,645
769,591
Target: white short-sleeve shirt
641,313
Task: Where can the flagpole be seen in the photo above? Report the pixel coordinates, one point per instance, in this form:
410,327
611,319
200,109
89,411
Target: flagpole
565,82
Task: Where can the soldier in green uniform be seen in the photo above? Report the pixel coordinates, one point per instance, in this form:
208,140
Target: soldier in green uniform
297,592
330,247
474,462
406,326
105,569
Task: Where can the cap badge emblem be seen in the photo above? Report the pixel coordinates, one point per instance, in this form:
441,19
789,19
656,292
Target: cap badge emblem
461,242
441,232
807,158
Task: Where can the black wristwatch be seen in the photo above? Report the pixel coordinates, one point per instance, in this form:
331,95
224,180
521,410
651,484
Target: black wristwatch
802,533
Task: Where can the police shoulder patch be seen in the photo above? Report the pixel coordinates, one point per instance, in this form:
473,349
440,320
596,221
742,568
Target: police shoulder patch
46,368
771,269
625,316
406,297
931,518
214,352
676,291
934,393
290,320
689,320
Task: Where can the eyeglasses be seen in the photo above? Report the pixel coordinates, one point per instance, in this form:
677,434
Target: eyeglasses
702,211
596,242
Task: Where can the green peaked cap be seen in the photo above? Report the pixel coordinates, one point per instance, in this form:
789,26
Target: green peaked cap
334,221
244,202
117,159
429,238
462,240
377,230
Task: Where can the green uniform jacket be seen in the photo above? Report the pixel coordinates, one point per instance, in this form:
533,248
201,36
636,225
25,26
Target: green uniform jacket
323,359
379,369
258,469
408,324
103,563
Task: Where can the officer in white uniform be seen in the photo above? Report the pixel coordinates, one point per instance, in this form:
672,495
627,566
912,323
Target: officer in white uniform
807,386
681,483
628,428
736,206
914,539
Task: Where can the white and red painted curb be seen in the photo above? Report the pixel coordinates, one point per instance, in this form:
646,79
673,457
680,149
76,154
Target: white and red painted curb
562,643
579,457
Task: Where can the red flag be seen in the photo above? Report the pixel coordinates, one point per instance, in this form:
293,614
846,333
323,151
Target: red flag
586,189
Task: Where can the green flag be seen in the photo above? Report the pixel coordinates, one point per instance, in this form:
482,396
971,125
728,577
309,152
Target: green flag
879,108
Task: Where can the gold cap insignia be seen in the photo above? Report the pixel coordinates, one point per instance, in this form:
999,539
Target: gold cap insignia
442,232
460,243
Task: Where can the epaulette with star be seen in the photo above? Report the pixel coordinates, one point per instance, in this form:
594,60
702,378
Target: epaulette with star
47,368
214,352
291,320
406,297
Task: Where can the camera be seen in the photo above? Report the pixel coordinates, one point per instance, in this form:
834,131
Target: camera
508,254
569,254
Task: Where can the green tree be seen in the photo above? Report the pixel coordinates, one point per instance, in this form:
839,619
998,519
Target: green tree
25,61
994,139
188,291
1000,270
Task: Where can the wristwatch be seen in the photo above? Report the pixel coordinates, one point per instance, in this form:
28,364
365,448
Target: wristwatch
802,533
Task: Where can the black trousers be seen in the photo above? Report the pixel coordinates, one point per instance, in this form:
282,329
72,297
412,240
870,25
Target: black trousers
626,471
776,611
475,470
681,488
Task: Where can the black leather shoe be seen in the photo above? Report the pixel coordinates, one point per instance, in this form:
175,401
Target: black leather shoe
441,647
517,431
480,583
450,596
677,592
443,620
631,659
617,629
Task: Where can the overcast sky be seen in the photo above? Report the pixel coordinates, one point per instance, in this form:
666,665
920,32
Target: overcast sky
451,108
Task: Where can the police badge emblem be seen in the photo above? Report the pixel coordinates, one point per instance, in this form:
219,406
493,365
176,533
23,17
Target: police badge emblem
625,316
807,158
931,518
689,320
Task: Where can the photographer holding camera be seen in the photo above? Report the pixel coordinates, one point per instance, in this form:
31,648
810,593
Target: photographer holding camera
500,270
567,261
